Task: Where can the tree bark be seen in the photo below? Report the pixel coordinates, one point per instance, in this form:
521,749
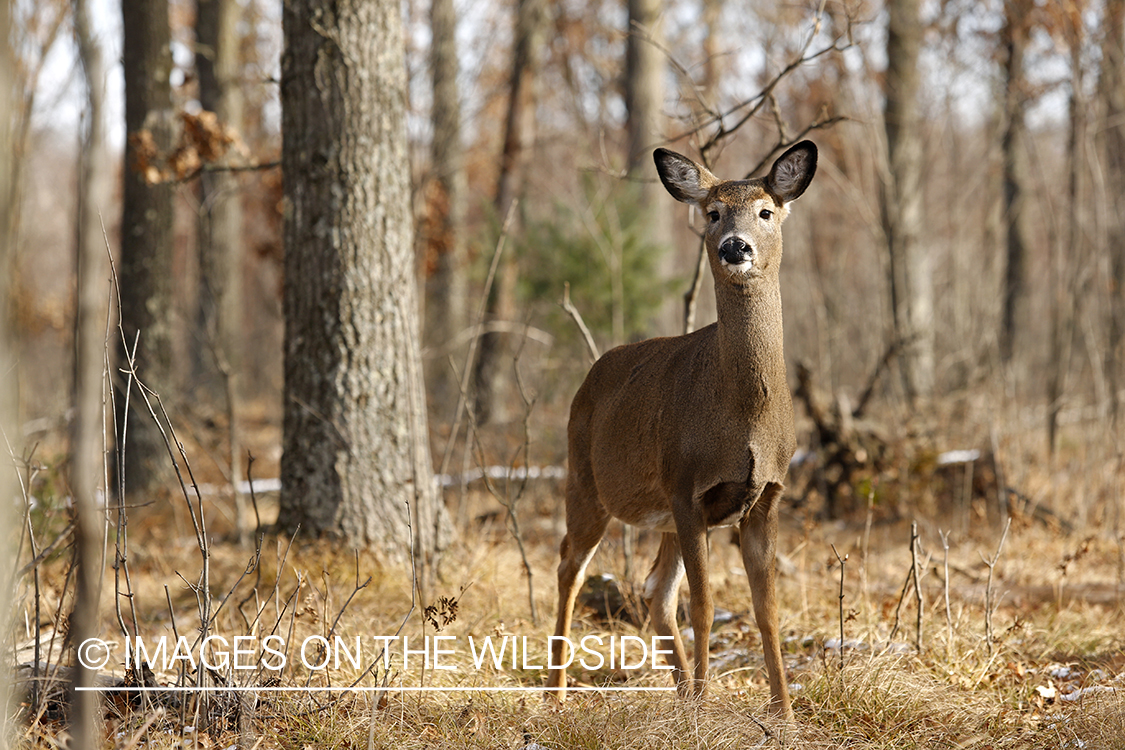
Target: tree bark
910,269
1112,92
492,380
1014,39
219,238
446,283
354,433
145,274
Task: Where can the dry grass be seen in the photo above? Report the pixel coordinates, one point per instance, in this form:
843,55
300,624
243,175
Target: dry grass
1058,634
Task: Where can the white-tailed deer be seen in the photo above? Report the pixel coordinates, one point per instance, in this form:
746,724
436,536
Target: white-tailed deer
687,433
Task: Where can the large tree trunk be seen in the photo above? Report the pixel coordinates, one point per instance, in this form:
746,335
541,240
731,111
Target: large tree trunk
1112,91
145,274
354,435
446,283
220,227
491,378
1014,38
910,269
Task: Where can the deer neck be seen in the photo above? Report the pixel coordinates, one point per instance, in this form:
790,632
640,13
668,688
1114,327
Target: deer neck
750,336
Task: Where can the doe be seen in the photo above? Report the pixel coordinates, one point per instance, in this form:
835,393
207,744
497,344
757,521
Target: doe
686,433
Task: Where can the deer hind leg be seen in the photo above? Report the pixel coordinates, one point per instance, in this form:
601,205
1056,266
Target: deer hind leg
662,589
758,537
586,522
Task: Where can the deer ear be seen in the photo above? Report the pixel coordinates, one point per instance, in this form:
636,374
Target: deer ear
793,171
687,181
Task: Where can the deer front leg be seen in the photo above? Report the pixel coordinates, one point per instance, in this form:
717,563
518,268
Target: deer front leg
692,532
758,537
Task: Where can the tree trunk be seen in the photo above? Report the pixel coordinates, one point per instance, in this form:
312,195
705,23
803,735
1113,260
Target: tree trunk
910,269
645,69
492,379
644,88
445,273
1112,91
145,274
218,63
8,722
7,247
1014,38
354,434
1070,255
92,271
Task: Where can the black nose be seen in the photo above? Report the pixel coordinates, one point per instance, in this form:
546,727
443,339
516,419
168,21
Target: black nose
734,251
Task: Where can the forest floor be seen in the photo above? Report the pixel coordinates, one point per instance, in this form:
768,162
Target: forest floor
1016,646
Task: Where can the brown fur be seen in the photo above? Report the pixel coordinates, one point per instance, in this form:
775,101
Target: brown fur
685,433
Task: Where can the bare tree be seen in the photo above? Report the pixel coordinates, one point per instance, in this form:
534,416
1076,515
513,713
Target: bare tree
645,71
7,247
145,275
218,63
1112,93
8,699
1070,254
492,378
445,274
355,445
92,266
910,270
1014,39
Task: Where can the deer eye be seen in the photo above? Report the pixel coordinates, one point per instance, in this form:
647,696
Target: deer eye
713,215
765,213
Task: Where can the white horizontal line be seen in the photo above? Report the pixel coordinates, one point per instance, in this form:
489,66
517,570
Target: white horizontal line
275,689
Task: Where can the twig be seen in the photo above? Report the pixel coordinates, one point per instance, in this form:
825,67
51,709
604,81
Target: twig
948,613
46,551
572,311
888,354
470,356
210,168
691,296
842,560
898,607
991,563
917,575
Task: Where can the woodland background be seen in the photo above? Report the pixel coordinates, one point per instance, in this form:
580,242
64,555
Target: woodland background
953,281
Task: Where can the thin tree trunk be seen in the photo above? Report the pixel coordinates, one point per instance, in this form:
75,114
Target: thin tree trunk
493,379
145,274
220,229
645,69
911,274
9,704
1070,256
446,285
356,460
1112,91
1014,39
92,270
